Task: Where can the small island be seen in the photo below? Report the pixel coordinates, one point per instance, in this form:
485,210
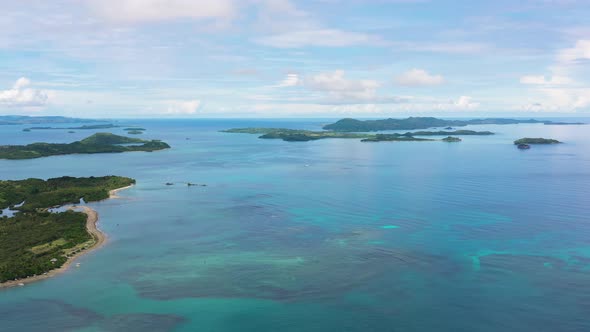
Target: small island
36,243
529,141
134,130
294,135
97,143
451,139
395,138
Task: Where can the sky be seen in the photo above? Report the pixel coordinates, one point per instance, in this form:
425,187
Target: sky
286,58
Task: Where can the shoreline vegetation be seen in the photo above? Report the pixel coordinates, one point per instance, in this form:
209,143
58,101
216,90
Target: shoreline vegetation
296,135
528,141
97,143
35,243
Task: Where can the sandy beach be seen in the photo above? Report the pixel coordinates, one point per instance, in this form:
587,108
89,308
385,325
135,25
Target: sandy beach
99,237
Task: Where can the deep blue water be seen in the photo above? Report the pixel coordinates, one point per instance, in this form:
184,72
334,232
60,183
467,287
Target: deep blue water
331,235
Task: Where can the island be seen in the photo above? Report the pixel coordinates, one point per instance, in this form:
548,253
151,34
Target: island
395,138
413,123
294,135
528,141
451,139
134,130
36,243
297,135
450,133
97,143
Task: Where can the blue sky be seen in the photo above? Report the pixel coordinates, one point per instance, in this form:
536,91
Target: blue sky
281,58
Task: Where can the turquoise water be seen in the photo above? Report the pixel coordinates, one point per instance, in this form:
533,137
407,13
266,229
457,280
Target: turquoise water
332,235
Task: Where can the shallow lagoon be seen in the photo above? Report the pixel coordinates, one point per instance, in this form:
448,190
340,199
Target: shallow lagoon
325,235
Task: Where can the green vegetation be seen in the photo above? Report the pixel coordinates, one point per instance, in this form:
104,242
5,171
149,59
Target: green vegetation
254,130
412,123
395,138
97,143
36,241
296,135
528,140
293,135
451,139
449,133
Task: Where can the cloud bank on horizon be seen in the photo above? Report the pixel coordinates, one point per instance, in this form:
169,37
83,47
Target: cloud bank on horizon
282,58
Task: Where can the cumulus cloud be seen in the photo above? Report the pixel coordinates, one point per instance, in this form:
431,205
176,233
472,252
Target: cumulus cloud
418,77
465,103
579,53
541,80
184,107
132,11
340,88
21,95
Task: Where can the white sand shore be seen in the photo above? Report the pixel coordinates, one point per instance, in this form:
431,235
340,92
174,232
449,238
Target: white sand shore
98,236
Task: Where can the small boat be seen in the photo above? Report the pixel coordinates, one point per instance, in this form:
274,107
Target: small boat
524,146
169,183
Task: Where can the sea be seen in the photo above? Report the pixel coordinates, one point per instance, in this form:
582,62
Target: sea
327,235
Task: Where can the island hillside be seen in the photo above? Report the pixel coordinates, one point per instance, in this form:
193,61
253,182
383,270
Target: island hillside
97,143
528,140
35,241
412,123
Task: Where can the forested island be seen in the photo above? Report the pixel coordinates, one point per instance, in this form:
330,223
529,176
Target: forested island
97,143
413,123
528,140
297,135
35,241
134,130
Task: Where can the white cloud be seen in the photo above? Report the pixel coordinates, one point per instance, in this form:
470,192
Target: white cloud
341,89
465,103
566,99
290,80
579,53
184,107
541,80
319,38
418,77
22,96
132,11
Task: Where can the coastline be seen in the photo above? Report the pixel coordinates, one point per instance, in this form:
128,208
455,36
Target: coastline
99,237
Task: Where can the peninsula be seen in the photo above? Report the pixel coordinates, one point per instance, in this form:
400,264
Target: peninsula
413,123
35,242
97,143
